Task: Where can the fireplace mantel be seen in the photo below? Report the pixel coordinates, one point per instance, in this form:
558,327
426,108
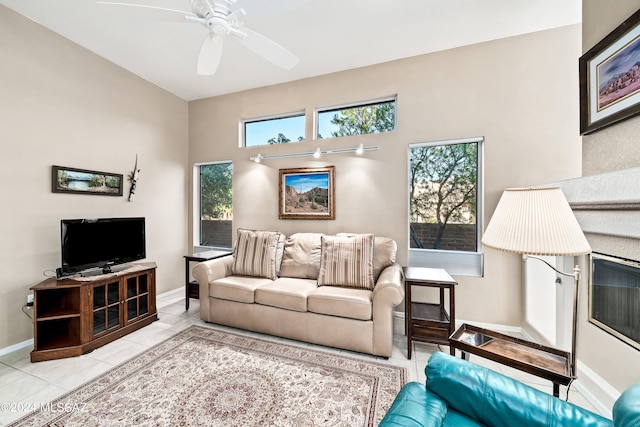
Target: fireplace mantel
606,204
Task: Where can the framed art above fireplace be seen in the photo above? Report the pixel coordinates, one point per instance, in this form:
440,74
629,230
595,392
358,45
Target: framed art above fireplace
610,78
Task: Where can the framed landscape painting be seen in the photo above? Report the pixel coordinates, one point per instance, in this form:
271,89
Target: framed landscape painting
82,181
306,193
610,78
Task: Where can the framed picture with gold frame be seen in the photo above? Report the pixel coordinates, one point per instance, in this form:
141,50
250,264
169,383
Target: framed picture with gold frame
307,193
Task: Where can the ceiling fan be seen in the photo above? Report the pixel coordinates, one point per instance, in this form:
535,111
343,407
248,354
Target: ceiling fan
221,21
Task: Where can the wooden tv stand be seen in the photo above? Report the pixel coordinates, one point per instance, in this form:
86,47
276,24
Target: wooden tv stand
77,315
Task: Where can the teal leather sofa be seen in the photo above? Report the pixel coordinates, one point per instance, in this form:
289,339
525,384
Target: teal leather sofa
461,394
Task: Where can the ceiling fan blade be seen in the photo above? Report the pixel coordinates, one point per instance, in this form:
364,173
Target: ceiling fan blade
268,49
183,12
210,54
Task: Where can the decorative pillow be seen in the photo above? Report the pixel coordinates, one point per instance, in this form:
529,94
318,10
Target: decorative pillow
384,253
255,253
301,256
347,261
279,252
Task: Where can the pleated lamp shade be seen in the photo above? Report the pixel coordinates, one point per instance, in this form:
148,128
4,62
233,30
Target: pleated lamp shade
535,221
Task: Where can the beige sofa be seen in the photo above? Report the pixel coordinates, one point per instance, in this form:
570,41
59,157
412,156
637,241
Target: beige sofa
337,291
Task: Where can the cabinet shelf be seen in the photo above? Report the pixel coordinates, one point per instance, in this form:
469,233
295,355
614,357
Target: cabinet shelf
429,312
62,314
73,317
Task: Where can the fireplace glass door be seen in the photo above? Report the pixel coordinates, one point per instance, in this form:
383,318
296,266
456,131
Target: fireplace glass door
614,297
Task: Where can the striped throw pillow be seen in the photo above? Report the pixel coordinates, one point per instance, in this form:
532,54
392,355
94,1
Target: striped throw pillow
347,261
255,253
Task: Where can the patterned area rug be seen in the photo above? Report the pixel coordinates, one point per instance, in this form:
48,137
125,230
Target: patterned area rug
207,377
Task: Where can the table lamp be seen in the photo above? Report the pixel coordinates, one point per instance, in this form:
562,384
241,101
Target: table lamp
539,221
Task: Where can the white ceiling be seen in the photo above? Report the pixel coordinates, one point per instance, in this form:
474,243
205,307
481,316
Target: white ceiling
327,35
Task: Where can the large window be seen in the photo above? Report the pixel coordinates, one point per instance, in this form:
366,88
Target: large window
445,200
276,130
359,119
216,211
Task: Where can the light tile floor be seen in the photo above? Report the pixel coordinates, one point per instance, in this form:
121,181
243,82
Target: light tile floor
24,384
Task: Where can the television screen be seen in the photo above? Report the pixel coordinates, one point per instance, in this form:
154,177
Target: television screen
101,243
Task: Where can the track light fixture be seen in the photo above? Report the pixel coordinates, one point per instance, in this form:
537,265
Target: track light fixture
316,154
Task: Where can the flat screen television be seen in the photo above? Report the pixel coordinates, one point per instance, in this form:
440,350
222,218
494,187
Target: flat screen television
101,243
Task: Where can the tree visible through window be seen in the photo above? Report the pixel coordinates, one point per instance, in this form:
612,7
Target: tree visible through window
357,120
443,186
216,199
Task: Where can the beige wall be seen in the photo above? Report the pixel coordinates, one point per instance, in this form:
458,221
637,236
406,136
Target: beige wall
599,19
519,93
612,149
63,105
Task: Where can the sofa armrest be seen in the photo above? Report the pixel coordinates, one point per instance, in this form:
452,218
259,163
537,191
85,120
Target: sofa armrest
208,271
499,401
390,285
415,406
387,293
626,410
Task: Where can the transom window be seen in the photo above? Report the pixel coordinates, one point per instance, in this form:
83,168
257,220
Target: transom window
373,117
276,130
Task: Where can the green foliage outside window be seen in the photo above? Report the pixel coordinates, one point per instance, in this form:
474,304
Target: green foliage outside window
215,191
360,120
443,186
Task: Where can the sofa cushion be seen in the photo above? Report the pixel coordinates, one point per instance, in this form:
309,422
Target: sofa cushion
343,302
237,288
285,292
301,256
255,253
384,253
347,261
457,419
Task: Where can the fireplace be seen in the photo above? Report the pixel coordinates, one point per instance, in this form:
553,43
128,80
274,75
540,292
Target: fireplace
614,297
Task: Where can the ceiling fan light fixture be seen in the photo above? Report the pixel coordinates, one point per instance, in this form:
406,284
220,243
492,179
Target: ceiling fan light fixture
218,26
220,21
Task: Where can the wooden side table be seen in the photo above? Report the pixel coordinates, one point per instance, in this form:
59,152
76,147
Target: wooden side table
192,288
536,359
429,322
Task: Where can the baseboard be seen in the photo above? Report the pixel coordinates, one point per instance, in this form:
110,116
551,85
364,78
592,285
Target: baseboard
595,389
492,326
171,292
16,347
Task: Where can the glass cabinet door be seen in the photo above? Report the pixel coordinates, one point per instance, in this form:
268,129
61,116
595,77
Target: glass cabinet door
137,296
106,307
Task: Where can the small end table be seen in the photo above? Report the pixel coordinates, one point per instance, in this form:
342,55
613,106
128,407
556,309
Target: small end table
536,359
427,322
192,288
